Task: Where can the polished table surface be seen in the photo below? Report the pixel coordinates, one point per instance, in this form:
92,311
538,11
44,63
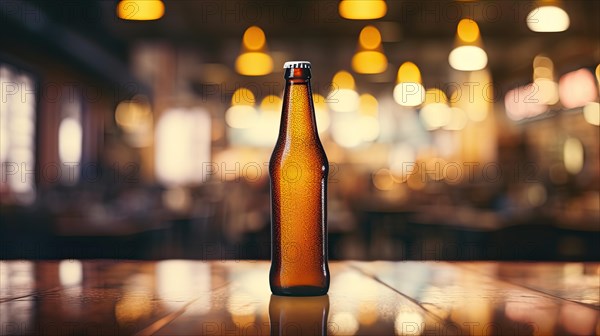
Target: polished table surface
183,297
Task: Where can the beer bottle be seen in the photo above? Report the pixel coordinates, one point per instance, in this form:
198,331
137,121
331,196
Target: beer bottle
298,170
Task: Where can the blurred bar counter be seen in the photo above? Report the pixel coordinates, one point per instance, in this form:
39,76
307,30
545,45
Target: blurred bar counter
231,220
176,297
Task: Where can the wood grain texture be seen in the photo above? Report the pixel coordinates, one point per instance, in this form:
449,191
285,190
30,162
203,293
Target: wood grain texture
177,297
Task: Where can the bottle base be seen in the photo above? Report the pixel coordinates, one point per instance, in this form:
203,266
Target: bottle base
299,291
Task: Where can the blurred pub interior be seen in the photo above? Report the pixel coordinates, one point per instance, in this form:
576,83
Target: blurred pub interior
456,130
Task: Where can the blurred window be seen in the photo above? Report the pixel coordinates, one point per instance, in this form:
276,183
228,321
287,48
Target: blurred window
18,93
183,146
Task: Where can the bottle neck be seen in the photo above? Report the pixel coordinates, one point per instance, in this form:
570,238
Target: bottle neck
298,117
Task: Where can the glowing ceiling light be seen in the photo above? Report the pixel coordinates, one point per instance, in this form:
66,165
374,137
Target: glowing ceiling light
468,54
467,31
369,59
242,113
342,97
408,90
254,60
362,9
140,10
548,19
577,88
467,58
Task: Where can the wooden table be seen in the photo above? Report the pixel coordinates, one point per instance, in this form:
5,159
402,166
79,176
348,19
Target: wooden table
177,297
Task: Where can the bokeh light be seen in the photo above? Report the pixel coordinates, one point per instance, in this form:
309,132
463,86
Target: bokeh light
467,30
408,90
577,88
548,19
342,97
140,10
362,10
573,155
468,58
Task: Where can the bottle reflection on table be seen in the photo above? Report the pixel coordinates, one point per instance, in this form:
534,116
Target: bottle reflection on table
299,315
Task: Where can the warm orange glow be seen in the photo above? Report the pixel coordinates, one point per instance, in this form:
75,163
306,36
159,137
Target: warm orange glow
369,59
271,103
254,38
254,64
478,106
468,55
135,118
435,96
242,96
254,61
369,62
343,80
362,9
382,180
408,72
368,105
369,38
467,30
409,91
140,10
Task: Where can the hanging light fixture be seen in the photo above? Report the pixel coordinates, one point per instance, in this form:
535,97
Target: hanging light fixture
468,54
408,90
140,10
242,113
369,59
254,60
548,17
362,9
343,97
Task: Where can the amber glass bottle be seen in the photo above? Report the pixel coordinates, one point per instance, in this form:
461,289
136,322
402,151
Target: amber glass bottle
298,170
